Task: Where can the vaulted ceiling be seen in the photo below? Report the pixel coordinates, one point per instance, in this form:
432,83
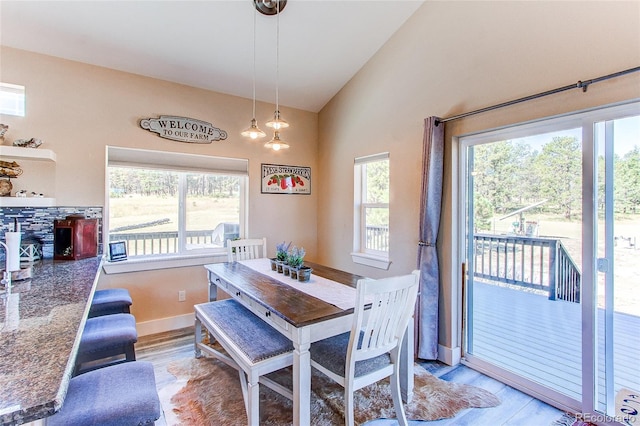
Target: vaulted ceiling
209,43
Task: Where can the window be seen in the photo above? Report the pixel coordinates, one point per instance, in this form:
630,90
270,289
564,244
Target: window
371,211
11,99
174,205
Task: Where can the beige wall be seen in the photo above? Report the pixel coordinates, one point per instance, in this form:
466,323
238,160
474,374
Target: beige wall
449,58
78,109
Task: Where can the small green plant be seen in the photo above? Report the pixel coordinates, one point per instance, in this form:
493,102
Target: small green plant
295,257
282,250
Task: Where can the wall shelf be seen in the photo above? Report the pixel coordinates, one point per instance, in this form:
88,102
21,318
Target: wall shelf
27,153
27,202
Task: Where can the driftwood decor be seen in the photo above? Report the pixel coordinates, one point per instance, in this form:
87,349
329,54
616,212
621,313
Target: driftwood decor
183,129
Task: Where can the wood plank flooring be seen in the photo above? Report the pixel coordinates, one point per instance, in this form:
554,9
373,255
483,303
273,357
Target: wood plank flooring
517,408
540,339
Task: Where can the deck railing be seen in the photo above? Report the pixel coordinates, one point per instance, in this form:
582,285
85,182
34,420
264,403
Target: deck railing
377,238
536,263
143,243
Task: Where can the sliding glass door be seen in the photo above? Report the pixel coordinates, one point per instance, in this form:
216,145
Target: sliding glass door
617,292
549,207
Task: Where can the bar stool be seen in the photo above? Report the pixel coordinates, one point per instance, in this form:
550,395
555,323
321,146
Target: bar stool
118,395
110,301
104,338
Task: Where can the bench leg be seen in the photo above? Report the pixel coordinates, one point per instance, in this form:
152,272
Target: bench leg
245,390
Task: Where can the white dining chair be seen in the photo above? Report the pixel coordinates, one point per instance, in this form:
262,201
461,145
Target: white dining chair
371,350
245,249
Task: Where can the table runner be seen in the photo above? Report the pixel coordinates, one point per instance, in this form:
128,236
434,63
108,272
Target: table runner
337,294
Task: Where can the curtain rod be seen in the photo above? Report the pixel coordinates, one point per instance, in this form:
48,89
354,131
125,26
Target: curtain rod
584,85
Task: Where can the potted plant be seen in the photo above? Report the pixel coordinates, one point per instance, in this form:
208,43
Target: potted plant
295,259
304,273
282,250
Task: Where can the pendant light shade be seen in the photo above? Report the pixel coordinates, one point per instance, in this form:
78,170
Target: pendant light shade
277,123
276,143
254,131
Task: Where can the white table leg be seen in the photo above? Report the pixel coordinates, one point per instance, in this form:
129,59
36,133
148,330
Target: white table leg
406,365
302,379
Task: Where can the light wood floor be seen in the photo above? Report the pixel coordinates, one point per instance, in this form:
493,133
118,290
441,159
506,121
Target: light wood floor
517,409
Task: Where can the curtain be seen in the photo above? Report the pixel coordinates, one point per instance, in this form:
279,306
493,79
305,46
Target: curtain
430,205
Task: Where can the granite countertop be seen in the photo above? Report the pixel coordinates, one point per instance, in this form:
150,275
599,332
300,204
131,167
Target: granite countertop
40,319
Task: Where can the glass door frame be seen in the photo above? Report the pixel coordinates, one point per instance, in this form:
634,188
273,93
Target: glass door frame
587,120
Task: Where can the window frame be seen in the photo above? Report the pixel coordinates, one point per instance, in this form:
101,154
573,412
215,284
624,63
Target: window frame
183,164
361,254
13,93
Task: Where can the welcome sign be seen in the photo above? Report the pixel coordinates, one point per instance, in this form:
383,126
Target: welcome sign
183,129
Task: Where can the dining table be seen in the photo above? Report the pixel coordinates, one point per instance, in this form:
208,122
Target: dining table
304,312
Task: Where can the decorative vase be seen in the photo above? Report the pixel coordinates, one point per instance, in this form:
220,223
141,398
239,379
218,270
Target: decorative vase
285,270
274,264
279,266
304,273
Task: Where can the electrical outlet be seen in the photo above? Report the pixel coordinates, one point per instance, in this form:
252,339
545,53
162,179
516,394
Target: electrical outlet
182,295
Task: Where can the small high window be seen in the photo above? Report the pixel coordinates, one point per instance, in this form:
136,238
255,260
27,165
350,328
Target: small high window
12,99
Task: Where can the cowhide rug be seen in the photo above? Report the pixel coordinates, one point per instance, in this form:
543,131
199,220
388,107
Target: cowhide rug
207,392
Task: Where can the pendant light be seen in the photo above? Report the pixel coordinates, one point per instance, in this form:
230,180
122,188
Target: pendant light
276,143
254,131
277,123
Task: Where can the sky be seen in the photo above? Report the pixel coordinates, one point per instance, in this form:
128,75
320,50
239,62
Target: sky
626,133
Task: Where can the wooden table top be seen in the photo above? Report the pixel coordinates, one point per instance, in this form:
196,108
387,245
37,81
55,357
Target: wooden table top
294,306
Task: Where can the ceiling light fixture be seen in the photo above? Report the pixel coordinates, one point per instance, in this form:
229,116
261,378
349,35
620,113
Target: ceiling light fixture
276,123
254,131
276,143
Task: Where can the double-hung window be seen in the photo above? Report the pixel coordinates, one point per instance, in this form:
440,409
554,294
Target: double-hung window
171,205
371,211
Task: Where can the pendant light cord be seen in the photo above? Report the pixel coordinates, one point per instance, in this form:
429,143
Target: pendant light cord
255,13
277,57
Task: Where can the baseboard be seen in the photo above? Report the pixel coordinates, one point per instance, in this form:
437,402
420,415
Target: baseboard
165,324
450,356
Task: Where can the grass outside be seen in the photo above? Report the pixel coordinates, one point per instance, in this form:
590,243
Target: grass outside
203,213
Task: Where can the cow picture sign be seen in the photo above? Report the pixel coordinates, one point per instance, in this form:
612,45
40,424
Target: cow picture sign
280,179
183,129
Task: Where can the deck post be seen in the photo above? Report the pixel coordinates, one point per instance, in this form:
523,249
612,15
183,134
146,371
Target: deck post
553,270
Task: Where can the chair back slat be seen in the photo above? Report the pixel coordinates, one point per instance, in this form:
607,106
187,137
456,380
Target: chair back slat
382,312
246,249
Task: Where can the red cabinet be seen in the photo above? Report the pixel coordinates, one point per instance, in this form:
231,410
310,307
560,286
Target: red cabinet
75,238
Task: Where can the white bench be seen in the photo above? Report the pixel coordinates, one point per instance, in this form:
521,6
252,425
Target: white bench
252,347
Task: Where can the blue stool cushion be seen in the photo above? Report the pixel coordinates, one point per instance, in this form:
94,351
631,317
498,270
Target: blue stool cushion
332,354
255,338
119,395
106,332
110,301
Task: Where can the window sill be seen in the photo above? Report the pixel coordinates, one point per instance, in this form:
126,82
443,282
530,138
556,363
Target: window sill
164,262
371,260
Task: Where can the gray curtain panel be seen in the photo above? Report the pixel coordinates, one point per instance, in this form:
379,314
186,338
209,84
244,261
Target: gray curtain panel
430,206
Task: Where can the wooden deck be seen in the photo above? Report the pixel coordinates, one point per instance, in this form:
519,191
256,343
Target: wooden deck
540,339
